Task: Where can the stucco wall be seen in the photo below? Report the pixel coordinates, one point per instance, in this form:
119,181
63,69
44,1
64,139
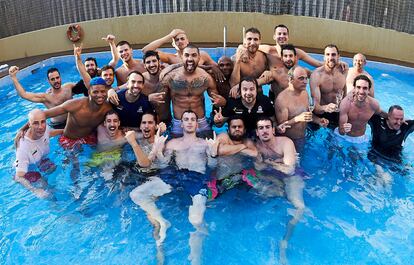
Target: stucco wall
206,27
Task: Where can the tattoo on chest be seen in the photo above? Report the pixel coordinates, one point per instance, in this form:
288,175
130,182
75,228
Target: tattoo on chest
196,84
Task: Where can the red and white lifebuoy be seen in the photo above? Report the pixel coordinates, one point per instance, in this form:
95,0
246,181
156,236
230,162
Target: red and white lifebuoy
74,33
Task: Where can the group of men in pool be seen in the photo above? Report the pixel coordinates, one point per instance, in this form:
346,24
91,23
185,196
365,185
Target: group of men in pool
269,129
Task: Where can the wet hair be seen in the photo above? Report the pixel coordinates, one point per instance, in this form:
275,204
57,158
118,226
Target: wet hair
123,42
235,117
363,77
189,111
331,46
255,31
281,26
51,70
91,59
249,79
150,113
288,47
393,107
192,46
107,67
149,54
138,73
110,112
263,118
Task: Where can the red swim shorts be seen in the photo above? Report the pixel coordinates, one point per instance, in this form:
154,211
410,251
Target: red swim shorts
70,144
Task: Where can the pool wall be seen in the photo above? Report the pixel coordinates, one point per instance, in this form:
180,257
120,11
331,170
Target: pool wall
207,27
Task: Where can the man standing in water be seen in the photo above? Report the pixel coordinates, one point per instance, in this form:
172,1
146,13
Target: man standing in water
192,155
129,63
277,158
31,150
359,62
356,110
54,96
186,86
328,86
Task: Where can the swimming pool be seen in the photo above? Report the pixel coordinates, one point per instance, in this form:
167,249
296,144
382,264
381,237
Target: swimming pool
351,218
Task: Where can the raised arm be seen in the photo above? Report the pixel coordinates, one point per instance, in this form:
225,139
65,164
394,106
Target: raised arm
77,51
304,56
142,159
115,56
33,97
66,107
154,45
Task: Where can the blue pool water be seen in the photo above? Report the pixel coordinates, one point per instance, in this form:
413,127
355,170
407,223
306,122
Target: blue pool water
351,218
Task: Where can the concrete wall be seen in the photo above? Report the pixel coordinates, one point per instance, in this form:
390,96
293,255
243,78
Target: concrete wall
207,27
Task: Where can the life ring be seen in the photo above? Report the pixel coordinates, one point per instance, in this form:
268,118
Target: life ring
74,33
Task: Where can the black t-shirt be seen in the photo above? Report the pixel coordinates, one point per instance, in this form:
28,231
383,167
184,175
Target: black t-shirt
262,107
80,88
388,142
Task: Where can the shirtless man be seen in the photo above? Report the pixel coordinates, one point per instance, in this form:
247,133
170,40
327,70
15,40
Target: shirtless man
186,86
107,72
226,66
281,37
292,108
153,86
249,60
356,110
84,114
192,155
277,157
180,41
54,96
278,77
31,152
359,62
328,85
129,63
108,133
92,69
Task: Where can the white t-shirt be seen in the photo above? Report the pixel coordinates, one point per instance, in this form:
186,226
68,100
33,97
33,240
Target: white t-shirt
30,152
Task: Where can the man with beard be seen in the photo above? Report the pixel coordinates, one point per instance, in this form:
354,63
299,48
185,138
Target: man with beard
279,76
249,60
225,65
359,62
186,86
129,65
356,110
292,108
389,134
91,68
180,41
132,103
107,72
281,37
109,134
152,85
31,154
54,96
250,106
328,85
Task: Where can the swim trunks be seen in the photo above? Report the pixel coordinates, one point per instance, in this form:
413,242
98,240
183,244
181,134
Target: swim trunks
203,130
70,144
32,176
351,139
191,182
100,158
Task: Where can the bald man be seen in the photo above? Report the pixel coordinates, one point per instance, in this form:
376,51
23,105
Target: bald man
31,152
359,62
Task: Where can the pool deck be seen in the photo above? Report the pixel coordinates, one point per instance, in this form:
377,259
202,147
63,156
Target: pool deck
25,62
